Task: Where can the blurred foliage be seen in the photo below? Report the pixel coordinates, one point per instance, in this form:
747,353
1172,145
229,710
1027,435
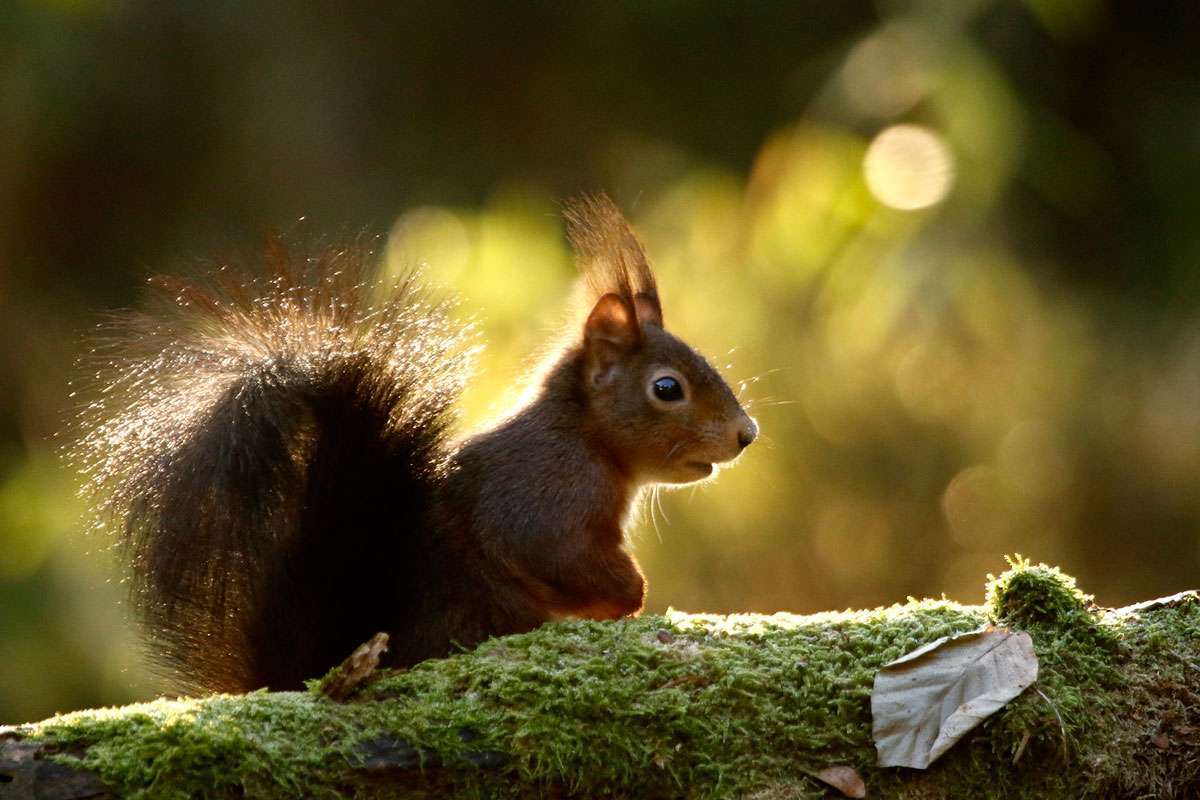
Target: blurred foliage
946,246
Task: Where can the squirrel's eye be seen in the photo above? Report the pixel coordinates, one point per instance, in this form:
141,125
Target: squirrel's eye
668,389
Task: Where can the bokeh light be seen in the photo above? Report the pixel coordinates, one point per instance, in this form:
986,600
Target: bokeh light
890,71
908,167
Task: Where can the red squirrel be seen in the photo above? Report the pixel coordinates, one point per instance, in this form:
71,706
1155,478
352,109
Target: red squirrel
275,455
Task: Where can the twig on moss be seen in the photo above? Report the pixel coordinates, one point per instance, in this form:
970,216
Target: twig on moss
1062,728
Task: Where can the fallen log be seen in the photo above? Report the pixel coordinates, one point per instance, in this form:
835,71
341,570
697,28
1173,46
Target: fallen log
680,705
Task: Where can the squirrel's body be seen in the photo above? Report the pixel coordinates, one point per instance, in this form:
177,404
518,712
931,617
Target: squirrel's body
276,456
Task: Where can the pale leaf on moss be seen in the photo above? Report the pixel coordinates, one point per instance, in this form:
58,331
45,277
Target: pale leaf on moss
927,700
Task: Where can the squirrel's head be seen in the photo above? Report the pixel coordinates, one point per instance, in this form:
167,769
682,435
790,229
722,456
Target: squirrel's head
665,412
662,408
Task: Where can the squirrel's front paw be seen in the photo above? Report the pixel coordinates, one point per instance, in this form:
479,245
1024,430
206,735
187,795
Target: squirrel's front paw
606,609
623,604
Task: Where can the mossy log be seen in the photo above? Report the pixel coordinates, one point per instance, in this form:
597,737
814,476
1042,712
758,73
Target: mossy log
672,706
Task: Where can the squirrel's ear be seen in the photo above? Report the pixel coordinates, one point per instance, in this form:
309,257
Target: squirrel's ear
610,332
649,310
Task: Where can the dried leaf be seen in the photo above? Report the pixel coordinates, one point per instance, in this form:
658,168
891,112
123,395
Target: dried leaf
927,700
349,675
1169,601
845,779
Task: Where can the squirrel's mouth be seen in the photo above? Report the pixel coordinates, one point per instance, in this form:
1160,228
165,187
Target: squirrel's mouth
705,468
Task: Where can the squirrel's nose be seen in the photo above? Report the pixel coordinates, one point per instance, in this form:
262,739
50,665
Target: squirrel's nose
747,432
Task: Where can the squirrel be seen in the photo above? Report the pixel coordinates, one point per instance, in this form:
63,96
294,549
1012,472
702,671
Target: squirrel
276,456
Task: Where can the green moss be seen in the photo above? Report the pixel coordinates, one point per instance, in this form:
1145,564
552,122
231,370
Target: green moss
660,703
265,744
684,705
1028,595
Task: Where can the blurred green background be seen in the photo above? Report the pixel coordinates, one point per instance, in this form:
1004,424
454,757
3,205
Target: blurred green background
950,246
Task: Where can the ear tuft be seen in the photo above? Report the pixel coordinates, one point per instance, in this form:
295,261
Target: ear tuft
610,257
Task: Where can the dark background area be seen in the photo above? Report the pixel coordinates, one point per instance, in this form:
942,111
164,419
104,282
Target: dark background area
1014,365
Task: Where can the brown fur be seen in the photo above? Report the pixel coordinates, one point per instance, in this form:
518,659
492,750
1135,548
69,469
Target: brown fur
275,456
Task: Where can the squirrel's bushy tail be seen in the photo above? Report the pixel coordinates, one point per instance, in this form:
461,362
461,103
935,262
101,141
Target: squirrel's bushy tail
269,451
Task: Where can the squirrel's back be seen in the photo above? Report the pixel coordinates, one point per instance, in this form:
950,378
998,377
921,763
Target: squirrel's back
269,452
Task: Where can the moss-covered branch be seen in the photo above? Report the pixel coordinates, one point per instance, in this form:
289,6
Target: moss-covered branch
682,706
